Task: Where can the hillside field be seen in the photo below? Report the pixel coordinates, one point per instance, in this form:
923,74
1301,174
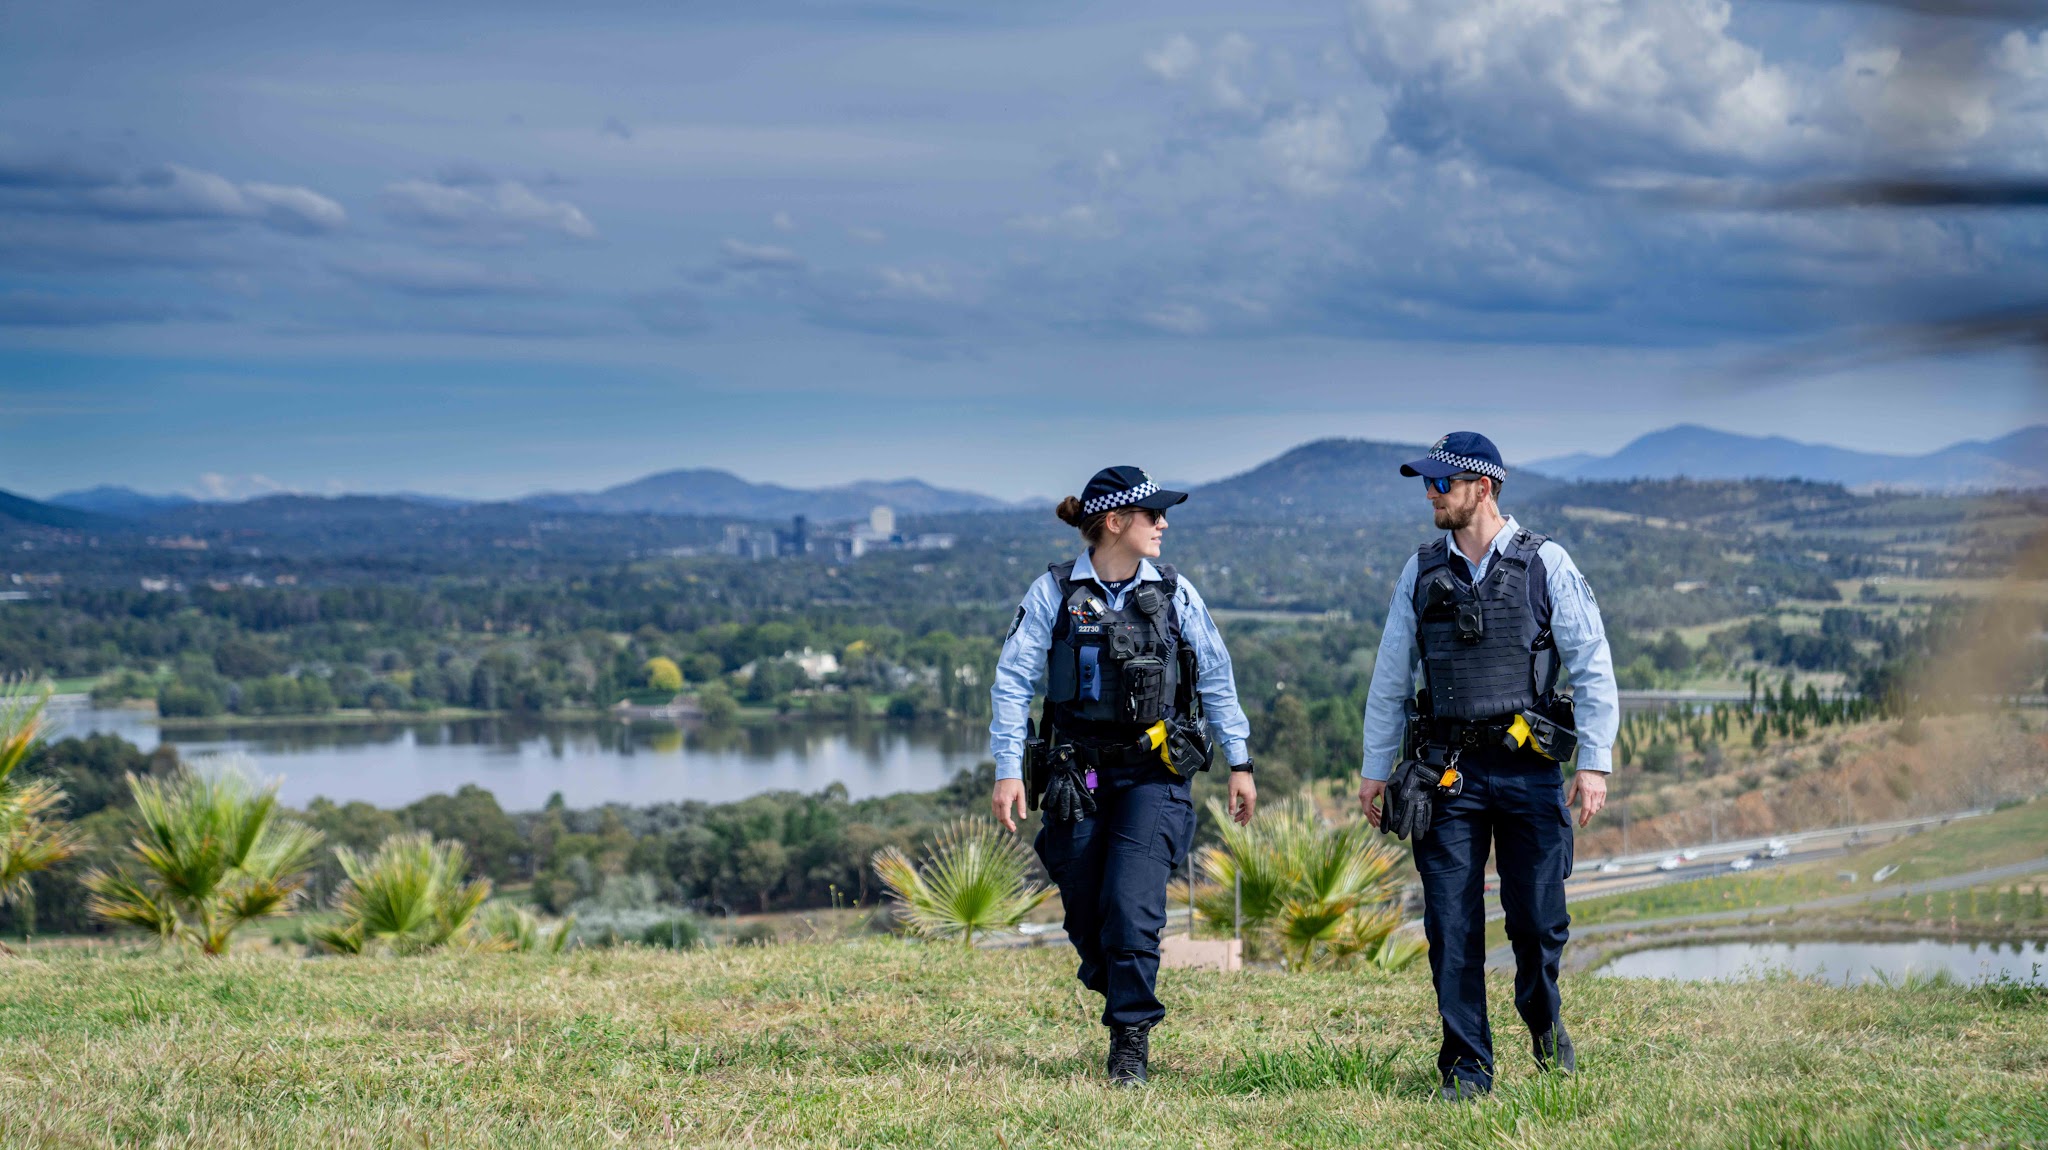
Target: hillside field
884,1043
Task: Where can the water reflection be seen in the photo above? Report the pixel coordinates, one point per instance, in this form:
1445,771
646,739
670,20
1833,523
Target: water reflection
525,760
1841,963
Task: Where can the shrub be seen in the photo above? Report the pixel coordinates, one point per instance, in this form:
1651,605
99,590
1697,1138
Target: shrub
211,855
1319,892
975,879
30,841
177,699
679,933
663,674
408,898
625,910
501,926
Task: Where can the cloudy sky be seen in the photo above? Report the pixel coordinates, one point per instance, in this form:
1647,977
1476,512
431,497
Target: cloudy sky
492,249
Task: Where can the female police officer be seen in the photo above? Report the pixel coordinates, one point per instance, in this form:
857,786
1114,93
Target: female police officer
1132,661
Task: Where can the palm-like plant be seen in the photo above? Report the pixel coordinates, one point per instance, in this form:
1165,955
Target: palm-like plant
514,928
1319,890
212,853
29,840
408,897
975,879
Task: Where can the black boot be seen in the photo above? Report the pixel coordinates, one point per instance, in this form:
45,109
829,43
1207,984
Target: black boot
1130,1048
1554,1051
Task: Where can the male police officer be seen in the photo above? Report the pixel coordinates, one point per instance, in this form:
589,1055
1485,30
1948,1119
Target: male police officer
1488,611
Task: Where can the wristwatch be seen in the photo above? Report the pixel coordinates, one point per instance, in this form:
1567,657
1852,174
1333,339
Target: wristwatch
1243,767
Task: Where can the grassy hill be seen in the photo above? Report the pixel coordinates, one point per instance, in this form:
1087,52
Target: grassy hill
2013,835
886,1044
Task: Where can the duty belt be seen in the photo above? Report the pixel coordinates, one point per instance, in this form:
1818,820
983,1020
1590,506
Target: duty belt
1527,730
1111,756
1472,734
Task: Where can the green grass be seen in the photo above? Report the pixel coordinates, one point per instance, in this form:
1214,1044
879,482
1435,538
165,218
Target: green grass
1707,895
2016,834
880,1043
2013,908
2013,835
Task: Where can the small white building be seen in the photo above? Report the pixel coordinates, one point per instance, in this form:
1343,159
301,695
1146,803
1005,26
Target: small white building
816,664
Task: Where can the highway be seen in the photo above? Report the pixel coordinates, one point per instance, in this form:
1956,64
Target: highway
1639,871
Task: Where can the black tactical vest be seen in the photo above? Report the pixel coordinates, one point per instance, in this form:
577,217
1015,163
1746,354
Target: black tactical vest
1485,655
1111,672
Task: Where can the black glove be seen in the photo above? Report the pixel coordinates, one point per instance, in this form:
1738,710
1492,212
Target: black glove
1408,803
1067,797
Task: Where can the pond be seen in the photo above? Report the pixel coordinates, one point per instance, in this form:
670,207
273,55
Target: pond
1841,963
523,761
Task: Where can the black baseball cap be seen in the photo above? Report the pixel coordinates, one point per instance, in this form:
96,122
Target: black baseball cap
1115,487
1456,454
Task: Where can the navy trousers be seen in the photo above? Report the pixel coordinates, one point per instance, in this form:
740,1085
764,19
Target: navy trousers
1112,869
1514,802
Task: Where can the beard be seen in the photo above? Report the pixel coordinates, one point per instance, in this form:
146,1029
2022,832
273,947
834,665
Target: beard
1454,519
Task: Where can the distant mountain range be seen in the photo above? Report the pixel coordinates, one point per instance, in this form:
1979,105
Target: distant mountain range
1334,478
703,492
2018,460
720,494
125,502
38,514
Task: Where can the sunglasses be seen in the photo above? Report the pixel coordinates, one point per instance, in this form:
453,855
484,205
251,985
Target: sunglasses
1443,486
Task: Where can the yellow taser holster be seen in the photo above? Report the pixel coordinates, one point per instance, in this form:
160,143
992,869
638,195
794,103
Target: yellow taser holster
1154,738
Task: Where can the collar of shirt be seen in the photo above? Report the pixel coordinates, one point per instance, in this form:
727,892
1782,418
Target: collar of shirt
1084,568
1498,544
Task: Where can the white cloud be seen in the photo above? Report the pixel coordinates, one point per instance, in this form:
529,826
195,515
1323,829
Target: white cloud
1079,221
1310,151
1234,56
1174,59
782,222
294,208
496,213
740,256
171,192
219,487
1555,85
1177,318
915,283
867,235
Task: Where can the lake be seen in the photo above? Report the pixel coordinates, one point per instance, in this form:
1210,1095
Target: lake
1841,963
523,761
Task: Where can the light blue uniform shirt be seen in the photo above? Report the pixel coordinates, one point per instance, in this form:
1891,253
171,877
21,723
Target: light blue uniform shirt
1574,624
1024,655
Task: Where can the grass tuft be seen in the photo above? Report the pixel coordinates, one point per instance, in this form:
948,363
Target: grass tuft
1319,1065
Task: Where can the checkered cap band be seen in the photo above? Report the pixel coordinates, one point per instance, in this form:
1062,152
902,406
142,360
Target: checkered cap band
1117,499
1477,466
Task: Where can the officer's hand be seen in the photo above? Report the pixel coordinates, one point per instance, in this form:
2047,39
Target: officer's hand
1008,802
1244,795
1590,788
1369,790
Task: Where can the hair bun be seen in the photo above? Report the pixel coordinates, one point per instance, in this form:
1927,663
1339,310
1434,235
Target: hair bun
1070,511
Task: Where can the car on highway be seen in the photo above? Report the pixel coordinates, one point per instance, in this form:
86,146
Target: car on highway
1610,867
1689,853
1777,849
1743,863
1672,863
